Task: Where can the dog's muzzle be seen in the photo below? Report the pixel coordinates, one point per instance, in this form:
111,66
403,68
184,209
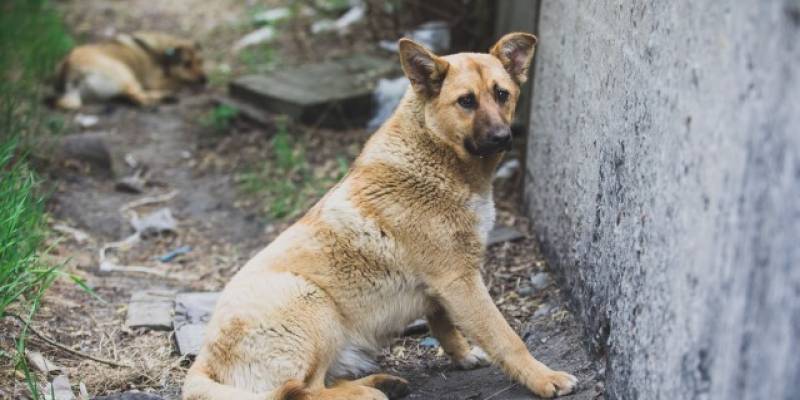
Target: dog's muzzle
495,141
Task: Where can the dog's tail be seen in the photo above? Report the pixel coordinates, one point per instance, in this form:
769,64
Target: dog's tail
200,385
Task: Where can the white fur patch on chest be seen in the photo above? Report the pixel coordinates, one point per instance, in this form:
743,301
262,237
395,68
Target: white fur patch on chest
483,207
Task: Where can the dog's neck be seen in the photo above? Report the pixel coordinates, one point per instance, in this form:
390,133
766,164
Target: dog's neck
408,125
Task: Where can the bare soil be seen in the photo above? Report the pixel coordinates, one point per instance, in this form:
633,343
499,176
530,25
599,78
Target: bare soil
224,226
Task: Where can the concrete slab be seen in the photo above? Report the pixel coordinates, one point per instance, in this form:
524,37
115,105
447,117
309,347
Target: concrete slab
192,312
334,93
151,309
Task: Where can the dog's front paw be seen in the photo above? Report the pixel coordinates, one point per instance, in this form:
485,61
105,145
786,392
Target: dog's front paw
554,383
476,358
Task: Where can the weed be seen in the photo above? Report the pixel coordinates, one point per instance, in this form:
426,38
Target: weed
32,40
220,118
286,181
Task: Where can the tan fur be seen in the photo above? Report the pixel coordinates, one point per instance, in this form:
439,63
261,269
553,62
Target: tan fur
403,235
143,67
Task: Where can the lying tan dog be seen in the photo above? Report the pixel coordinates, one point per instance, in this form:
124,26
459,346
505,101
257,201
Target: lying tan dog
142,67
402,235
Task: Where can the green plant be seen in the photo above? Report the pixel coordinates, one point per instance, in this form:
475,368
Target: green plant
287,182
32,40
220,118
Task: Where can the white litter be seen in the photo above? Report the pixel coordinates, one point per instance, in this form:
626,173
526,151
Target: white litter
386,97
258,36
507,170
272,16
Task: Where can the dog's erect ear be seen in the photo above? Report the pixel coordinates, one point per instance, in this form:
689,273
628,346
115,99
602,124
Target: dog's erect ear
424,69
515,51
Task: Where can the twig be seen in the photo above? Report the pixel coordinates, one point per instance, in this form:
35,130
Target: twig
65,348
499,392
149,200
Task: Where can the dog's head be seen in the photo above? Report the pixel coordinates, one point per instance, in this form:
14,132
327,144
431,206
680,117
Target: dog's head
181,59
470,98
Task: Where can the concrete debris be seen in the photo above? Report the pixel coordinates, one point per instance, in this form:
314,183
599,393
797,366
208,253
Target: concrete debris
192,313
151,309
42,364
59,389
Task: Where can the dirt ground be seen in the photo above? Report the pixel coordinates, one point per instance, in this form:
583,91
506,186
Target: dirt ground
224,226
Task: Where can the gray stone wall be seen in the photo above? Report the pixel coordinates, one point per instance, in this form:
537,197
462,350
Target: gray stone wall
663,180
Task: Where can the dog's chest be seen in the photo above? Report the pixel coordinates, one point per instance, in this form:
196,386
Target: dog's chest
482,206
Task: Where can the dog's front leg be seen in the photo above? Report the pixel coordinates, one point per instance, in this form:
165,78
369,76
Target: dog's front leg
453,342
467,302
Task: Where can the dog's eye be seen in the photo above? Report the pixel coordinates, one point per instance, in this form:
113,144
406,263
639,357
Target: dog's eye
501,94
468,101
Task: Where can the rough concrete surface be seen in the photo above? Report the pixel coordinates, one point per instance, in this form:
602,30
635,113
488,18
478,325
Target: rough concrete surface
663,178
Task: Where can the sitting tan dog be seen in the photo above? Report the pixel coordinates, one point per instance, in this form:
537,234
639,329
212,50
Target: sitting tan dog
402,235
143,68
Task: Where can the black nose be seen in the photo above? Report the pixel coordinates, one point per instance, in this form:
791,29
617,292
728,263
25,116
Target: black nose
500,136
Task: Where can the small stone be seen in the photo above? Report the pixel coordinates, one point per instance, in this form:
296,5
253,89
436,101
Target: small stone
151,309
502,233
192,313
600,387
540,280
543,310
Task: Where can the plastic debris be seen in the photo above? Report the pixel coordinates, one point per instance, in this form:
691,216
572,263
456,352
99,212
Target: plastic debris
387,96
174,254
429,342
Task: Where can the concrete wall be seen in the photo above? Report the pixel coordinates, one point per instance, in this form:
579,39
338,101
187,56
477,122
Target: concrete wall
663,180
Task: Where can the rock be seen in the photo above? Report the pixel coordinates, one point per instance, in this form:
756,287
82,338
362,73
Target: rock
502,233
129,396
340,94
88,148
543,310
540,280
192,312
151,309
42,364
59,389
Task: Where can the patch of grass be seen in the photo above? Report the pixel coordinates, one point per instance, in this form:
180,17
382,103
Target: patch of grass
220,118
32,41
286,182
259,58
